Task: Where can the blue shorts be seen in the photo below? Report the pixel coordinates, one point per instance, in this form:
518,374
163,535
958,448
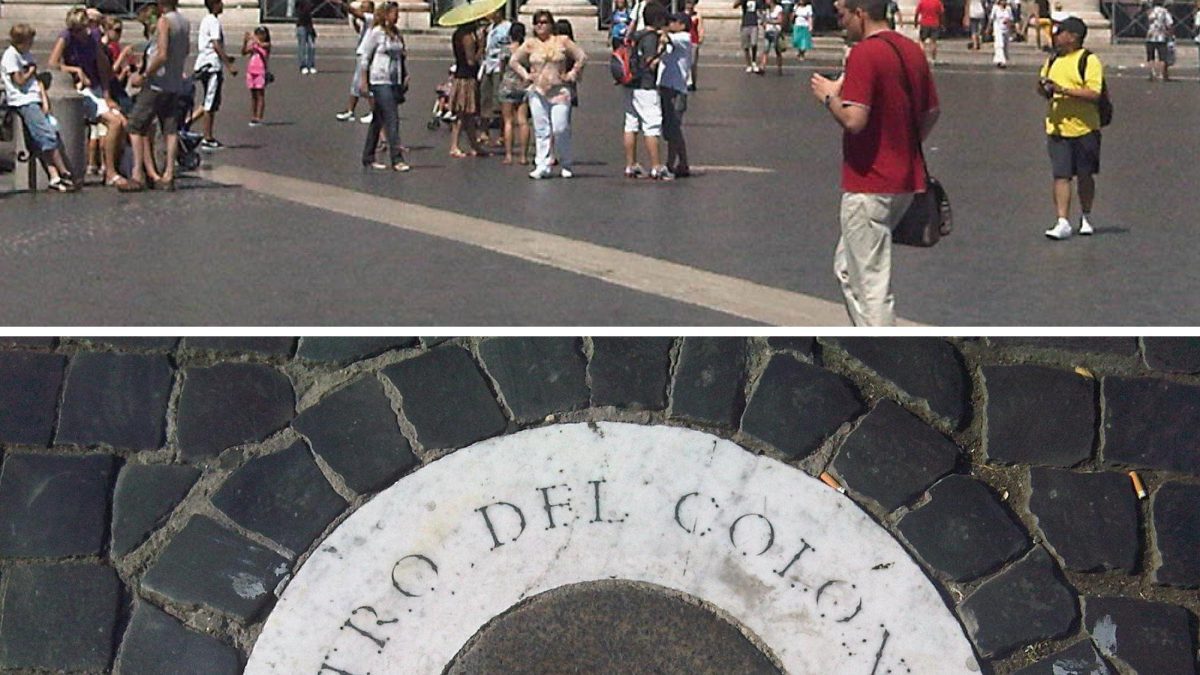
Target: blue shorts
41,132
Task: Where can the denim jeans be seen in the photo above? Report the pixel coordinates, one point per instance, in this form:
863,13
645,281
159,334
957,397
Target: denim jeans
385,118
306,50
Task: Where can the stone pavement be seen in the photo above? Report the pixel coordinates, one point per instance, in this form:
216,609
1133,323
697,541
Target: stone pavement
157,494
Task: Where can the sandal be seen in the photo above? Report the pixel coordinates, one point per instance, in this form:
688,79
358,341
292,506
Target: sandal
58,185
401,167
164,184
124,185
459,154
380,165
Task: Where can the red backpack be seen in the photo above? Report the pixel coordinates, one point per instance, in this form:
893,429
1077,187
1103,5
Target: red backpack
625,62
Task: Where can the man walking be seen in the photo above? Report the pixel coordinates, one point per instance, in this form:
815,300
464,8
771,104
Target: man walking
886,104
1072,123
749,32
211,58
928,19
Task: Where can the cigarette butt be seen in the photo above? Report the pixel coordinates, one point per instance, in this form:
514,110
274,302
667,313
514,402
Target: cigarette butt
1084,372
1138,487
832,482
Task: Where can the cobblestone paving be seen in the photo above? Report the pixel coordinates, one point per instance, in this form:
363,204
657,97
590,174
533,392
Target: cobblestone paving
156,494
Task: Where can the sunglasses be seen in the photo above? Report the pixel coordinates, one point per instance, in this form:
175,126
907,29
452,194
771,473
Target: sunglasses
542,23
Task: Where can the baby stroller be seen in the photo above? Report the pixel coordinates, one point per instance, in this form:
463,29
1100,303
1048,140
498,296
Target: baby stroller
441,104
187,158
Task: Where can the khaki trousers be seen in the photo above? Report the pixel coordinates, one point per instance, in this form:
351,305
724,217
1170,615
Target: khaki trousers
863,260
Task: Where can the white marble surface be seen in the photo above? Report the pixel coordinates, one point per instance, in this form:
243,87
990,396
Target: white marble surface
405,581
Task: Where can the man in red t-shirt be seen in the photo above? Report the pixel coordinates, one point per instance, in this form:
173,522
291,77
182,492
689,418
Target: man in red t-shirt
886,104
928,21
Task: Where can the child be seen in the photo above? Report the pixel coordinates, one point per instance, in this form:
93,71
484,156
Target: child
619,23
773,31
1002,21
802,23
257,46
25,93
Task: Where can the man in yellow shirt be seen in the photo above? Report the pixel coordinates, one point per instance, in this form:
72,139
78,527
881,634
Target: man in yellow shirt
1072,123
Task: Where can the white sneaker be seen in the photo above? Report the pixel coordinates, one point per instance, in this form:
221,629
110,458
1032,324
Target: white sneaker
567,173
1085,227
304,71
312,71
539,173
1060,231
366,119
345,116
749,69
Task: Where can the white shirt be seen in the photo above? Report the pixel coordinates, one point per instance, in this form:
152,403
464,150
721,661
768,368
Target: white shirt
803,16
676,62
1001,19
368,21
210,31
774,19
14,62
975,10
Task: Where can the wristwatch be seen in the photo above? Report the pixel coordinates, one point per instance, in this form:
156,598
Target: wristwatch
828,98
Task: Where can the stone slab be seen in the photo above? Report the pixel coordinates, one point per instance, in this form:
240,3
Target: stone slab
1080,658
709,380
608,628
963,531
926,368
59,617
446,398
31,342
1023,604
1095,345
118,400
538,375
283,496
268,346
1177,529
1039,415
230,404
1151,637
630,372
155,343
347,349
803,345
796,406
158,644
143,498
405,581
1173,354
54,505
1150,423
29,388
892,457
1089,519
355,431
207,564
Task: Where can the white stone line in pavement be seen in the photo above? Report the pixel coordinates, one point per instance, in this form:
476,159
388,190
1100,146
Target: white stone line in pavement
731,167
674,281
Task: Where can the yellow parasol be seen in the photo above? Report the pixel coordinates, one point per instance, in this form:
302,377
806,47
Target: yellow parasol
466,11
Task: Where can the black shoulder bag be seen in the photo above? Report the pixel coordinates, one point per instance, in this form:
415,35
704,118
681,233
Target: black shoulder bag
929,217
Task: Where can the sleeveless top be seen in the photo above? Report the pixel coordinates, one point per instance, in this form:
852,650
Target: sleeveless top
464,69
170,76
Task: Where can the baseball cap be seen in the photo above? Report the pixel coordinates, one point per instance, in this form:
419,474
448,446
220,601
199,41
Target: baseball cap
1072,24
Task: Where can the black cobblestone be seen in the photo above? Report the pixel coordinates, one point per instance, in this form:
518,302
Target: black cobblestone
630,372
797,406
1089,519
709,379
1094,345
157,644
1151,637
347,349
446,398
927,368
269,346
59,617
230,404
538,375
802,345
210,565
116,399
1151,423
33,342
892,457
29,386
54,505
355,431
1080,658
1177,531
144,496
283,496
963,531
159,344
1025,603
1173,354
1039,415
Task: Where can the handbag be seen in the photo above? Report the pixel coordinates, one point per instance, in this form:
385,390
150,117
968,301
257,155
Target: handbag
929,216
270,77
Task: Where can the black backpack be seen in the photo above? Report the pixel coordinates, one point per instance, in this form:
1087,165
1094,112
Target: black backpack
1104,103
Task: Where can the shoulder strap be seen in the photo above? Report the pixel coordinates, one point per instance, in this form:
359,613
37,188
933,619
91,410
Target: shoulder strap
1083,59
912,101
